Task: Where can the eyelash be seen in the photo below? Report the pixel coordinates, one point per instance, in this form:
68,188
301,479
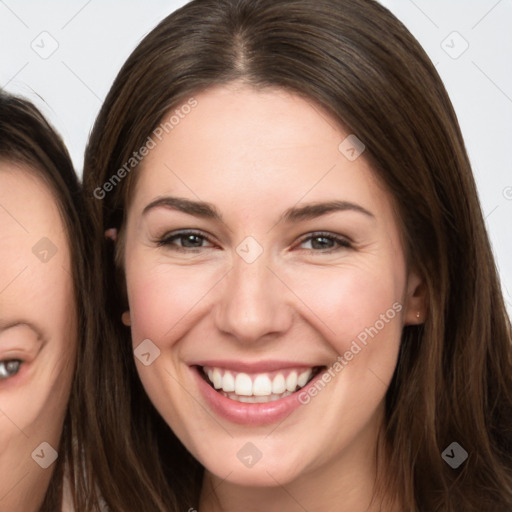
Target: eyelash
167,240
4,371
342,243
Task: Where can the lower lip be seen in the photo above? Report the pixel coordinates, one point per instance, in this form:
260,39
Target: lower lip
249,414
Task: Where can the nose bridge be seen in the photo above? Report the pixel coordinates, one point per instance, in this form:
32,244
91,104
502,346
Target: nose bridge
251,281
254,303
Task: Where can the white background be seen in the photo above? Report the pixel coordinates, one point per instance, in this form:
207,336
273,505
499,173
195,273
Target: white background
91,39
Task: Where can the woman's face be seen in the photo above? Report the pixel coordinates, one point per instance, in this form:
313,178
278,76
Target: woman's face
259,254
37,336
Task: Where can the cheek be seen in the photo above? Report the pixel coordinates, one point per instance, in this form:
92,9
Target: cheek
33,412
356,304
349,299
165,299
36,399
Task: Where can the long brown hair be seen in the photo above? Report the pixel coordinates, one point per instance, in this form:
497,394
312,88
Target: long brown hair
26,138
353,58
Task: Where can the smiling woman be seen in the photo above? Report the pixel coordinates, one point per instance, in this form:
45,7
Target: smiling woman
42,290
300,309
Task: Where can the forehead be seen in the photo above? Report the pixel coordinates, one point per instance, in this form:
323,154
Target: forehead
241,144
33,239
26,200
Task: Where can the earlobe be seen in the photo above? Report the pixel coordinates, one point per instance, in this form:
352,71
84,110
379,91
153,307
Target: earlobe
416,300
111,234
125,318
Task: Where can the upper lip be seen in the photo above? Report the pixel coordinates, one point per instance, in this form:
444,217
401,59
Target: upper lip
254,367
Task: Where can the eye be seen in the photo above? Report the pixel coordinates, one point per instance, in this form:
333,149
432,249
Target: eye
9,368
324,242
184,240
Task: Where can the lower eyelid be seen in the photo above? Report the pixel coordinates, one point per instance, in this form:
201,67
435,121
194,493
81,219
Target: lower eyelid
170,242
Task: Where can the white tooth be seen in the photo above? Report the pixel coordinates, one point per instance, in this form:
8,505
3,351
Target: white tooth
217,378
255,399
304,377
228,382
278,384
243,384
210,374
262,399
262,386
291,382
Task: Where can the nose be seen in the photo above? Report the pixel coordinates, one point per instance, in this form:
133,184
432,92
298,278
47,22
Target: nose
254,303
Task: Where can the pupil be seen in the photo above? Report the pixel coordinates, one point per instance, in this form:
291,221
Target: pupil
12,366
321,242
191,241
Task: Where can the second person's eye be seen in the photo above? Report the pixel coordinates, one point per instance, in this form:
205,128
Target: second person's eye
9,368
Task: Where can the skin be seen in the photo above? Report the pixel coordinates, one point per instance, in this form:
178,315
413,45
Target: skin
253,155
38,327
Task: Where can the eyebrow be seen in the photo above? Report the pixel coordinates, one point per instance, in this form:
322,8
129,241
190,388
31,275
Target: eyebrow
295,214
313,210
196,208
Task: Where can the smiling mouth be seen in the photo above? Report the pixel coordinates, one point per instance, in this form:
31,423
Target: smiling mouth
256,388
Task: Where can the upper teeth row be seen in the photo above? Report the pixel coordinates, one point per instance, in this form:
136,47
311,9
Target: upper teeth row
257,385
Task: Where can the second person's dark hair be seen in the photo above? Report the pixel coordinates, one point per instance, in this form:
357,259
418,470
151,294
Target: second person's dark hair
27,139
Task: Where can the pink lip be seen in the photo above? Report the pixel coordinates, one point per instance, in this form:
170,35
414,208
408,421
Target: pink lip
248,414
256,367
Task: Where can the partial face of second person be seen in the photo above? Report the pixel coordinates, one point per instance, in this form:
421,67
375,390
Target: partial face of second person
256,253
37,336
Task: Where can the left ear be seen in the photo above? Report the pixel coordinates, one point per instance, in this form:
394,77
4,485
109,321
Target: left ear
126,319
111,234
417,299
